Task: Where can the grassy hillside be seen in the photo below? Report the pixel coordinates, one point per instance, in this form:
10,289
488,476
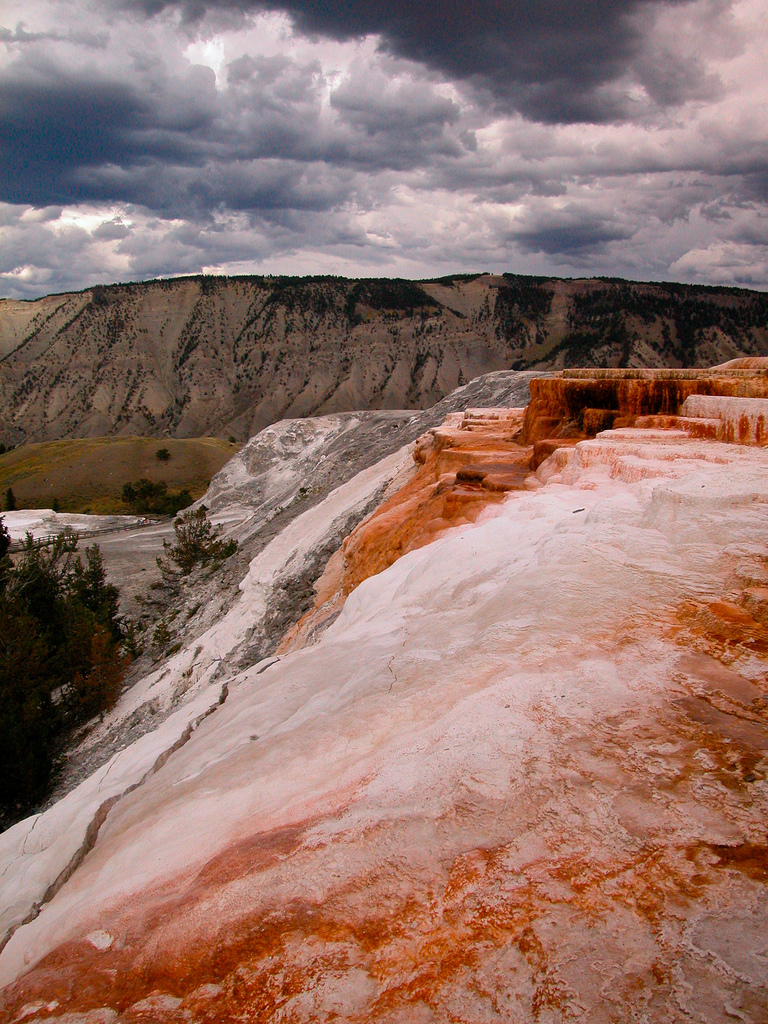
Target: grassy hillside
87,475
198,356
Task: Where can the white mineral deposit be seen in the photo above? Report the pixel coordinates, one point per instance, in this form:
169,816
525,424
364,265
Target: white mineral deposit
520,777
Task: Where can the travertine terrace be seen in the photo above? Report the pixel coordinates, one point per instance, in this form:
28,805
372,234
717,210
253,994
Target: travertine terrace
471,461
521,777
581,402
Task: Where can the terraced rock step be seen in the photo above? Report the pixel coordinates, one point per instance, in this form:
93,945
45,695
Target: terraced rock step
722,404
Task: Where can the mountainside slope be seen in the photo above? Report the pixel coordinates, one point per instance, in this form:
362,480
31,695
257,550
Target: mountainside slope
196,356
88,475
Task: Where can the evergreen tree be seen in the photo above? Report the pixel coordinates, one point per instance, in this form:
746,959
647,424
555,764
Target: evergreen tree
197,542
98,596
29,720
5,562
60,659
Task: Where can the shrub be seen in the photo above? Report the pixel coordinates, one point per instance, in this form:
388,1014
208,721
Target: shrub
162,454
197,542
131,640
10,500
161,636
145,497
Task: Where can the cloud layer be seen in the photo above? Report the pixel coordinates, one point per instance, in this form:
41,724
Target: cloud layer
619,138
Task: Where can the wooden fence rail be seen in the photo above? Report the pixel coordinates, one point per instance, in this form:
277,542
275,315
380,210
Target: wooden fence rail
51,538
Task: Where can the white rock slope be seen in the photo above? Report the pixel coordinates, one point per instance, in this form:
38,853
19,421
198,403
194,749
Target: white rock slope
521,778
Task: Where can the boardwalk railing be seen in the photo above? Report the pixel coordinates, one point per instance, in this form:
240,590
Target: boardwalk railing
51,538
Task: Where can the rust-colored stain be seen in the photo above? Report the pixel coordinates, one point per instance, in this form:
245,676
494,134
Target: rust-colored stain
750,859
724,629
564,407
467,464
725,710
412,948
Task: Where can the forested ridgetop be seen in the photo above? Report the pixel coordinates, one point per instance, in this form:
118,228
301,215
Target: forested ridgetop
228,355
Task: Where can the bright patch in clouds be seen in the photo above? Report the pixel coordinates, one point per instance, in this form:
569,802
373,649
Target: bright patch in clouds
211,53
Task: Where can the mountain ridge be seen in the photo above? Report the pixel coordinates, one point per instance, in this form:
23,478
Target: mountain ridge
214,355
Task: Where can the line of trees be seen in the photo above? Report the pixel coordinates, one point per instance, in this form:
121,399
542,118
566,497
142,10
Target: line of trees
62,659
65,649
147,498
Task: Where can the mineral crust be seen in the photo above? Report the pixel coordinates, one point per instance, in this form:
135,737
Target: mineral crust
521,777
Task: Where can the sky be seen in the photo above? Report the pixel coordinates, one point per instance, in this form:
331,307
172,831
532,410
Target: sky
406,138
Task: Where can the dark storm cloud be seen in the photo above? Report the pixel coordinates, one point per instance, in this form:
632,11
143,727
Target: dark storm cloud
169,140
267,186
149,136
164,136
20,35
569,233
49,127
552,60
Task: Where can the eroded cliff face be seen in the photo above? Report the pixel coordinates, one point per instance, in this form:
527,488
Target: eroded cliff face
218,356
521,777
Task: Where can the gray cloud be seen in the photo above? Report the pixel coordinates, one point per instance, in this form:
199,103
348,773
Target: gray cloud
569,233
49,127
551,60
172,142
534,136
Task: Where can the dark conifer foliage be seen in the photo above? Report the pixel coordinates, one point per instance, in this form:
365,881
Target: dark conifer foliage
197,543
61,660
147,498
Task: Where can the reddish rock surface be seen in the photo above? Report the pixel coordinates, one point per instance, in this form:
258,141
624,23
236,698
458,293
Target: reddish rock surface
522,779
465,465
582,402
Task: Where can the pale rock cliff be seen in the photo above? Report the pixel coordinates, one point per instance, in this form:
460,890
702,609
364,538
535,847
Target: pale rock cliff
219,356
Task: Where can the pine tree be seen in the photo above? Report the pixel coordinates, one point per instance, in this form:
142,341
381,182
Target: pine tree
5,563
197,542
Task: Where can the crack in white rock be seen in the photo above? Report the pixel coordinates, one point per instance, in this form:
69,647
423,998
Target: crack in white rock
100,816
